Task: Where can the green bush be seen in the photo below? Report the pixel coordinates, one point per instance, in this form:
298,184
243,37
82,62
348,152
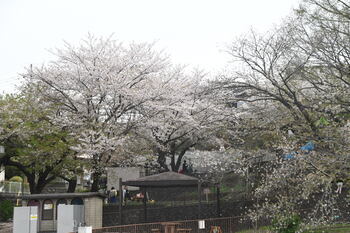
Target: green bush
16,179
6,210
288,224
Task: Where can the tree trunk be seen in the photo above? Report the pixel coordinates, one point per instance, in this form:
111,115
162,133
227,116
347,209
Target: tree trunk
176,166
172,164
43,180
72,184
35,188
162,160
40,188
32,184
179,159
95,182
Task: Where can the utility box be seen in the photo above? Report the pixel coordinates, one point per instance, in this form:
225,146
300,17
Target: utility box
70,218
85,230
25,219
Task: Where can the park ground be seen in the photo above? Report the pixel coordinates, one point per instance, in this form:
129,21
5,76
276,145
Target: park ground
5,227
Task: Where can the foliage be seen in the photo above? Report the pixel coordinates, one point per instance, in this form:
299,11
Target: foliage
184,117
34,145
11,171
213,165
99,88
16,179
82,190
288,87
264,229
293,86
109,95
337,228
6,210
286,224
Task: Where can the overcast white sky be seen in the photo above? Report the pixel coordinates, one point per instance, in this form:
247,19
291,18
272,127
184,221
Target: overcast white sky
191,31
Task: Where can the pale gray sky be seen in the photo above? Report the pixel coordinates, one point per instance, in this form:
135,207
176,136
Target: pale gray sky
191,31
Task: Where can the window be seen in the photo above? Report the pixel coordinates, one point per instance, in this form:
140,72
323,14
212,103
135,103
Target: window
77,201
47,209
33,203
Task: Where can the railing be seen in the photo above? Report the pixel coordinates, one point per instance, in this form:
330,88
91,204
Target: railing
227,225
14,187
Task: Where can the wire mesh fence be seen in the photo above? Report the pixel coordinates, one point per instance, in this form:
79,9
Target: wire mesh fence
14,187
213,225
159,212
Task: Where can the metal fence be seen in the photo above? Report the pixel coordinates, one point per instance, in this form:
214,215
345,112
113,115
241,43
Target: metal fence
161,212
214,225
14,187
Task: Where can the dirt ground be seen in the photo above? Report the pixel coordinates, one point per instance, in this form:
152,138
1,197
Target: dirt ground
5,227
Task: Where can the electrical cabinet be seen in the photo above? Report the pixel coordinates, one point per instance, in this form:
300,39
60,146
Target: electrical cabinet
25,219
70,218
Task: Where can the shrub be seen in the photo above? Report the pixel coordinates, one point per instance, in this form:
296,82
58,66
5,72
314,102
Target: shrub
16,179
6,210
288,224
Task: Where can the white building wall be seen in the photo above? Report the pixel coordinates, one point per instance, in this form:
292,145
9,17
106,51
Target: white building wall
126,173
2,173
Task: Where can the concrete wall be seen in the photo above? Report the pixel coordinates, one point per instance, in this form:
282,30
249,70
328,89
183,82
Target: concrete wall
48,225
126,173
93,211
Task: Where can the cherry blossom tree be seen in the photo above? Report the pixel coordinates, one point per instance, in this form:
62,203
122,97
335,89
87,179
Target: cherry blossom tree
99,87
214,165
323,28
185,116
293,82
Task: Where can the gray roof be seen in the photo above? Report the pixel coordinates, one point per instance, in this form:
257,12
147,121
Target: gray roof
165,179
61,195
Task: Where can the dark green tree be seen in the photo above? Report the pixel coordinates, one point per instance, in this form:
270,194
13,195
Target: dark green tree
34,144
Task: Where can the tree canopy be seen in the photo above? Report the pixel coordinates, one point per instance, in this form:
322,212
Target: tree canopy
36,146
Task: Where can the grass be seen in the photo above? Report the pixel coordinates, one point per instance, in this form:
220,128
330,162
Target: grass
264,229
340,228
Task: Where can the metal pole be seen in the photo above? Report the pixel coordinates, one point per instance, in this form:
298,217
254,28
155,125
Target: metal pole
199,199
120,201
145,204
246,182
218,199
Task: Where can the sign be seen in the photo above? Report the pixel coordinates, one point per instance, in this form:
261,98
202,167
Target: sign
201,224
48,206
33,217
206,191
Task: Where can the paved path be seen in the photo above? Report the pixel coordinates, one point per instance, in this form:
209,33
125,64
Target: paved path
5,227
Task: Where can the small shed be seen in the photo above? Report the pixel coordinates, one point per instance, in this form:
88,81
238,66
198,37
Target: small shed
162,180
48,203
